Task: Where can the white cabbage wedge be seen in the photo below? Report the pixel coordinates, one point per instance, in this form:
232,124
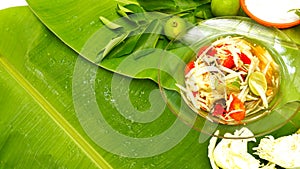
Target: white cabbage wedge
232,153
283,151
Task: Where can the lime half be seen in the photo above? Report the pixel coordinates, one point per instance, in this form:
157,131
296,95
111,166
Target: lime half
257,81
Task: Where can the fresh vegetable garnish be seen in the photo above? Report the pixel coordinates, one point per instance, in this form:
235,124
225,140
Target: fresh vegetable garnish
297,11
228,62
175,27
283,151
232,153
244,58
207,51
234,70
189,67
237,109
218,110
257,81
234,86
225,7
258,86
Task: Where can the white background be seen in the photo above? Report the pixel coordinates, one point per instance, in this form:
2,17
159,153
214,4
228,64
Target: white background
10,3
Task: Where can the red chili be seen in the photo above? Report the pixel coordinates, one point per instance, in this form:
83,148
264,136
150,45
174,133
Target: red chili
244,58
189,67
237,104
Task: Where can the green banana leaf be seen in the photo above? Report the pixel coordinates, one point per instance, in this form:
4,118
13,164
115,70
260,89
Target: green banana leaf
87,35
47,116
33,133
145,62
80,28
48,119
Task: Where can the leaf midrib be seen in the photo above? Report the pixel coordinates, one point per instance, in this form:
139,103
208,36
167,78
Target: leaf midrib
99,161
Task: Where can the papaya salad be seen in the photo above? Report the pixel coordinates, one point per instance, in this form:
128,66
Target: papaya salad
230,79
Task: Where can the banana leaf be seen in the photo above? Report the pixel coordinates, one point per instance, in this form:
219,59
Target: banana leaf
79,27
49,118
145,64
87,35
172,5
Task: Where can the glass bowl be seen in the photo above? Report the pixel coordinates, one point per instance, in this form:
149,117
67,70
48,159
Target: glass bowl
283,51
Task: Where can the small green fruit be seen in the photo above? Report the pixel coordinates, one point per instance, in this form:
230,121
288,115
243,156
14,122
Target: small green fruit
175,27
225,7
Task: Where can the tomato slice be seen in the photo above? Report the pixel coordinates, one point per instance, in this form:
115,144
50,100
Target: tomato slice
228,62
238,116
244,58
210,52
237,104
189,67
218,110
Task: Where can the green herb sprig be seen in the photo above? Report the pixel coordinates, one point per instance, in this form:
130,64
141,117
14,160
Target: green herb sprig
297,11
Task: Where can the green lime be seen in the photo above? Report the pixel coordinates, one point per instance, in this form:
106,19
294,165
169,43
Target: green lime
225,7
257,81
175,27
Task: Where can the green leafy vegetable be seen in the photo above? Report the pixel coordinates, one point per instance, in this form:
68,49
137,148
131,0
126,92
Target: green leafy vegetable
134,8
124,10
203,11
128,9
126,48
109,24
297,11
114,42
158,5
150,37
